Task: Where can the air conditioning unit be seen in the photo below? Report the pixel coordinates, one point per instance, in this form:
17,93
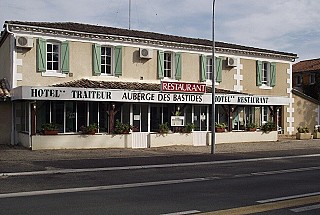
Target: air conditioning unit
146,53
24,42
231,61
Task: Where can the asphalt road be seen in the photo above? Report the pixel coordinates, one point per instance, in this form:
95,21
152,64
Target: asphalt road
249,182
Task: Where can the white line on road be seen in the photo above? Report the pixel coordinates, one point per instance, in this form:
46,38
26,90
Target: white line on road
183,212
286,171
288,197
63,171
98,188
306,208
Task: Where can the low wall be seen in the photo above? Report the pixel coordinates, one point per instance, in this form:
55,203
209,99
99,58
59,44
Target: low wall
63,141
240,137
158,140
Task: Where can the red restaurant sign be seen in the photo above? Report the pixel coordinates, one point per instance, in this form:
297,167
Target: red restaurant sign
182,87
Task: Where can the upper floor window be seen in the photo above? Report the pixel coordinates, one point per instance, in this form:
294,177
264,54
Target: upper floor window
298,79
169,65
312,78
107,60
52,57
266,74
206,69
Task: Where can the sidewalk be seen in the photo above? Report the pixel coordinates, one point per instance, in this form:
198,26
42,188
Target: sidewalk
21,154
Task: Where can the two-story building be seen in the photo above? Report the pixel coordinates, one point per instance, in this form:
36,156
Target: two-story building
74,75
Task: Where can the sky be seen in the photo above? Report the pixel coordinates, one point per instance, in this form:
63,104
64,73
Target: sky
283,25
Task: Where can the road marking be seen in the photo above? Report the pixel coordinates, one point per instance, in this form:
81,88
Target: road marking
286,171
289,197
266,207
64,171
183,212
306,208
107,187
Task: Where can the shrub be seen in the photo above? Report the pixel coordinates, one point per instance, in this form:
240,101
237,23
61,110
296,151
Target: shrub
122,128
303,129
268,126
164,128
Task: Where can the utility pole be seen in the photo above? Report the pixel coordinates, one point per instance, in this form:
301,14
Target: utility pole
213,93
129,14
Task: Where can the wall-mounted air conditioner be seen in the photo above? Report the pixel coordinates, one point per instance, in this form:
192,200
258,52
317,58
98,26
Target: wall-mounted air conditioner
146,53
24,42
231,61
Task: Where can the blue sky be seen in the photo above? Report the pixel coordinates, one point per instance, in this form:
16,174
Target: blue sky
282,25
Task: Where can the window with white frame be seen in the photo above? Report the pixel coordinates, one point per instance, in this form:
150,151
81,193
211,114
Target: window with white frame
106,60
167,61
312,78
209,69
53,57
265,73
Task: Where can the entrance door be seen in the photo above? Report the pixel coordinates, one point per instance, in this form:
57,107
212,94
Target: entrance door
200,120
140,125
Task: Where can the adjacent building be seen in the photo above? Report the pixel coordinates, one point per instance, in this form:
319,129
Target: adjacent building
74,75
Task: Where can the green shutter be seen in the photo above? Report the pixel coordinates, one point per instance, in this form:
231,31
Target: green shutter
218,69
259,73
273,74
96,59
118,61
203,68
178,66
65,57
160,64
41,55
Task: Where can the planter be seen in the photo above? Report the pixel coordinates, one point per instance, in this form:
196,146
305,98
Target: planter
303,136
50,132
220,129
251,129
316,135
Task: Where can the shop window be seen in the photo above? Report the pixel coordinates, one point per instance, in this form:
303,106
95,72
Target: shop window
107,60
43,114
82,115
70,116
93,113
103,117
169,65
57,114
52,57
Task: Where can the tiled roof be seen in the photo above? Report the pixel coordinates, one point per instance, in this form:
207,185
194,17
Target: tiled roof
307,66
4,90
96,29
85,83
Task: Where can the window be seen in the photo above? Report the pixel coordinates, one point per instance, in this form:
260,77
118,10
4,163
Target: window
266,74
52,57
209,69
312,78
206,69
169,65
298,80
107,60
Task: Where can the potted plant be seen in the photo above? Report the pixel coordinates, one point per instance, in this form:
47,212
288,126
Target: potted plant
251,126
188,128
220,127
303,133
50,128
164,128
122,128
268,126
90,129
